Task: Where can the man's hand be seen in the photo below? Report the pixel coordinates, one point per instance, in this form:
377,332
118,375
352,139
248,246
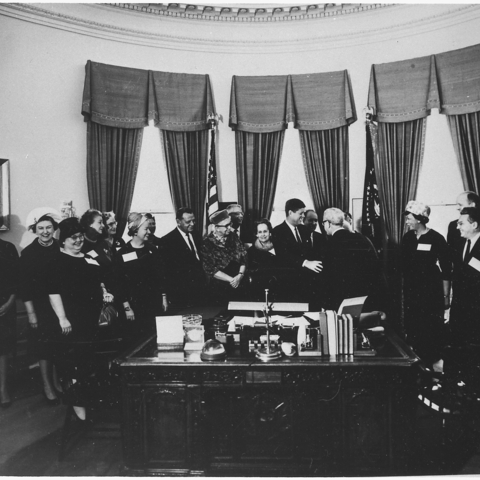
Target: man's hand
313,265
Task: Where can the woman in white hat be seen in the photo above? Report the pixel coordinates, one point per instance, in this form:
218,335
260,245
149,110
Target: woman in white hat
426,284
35,263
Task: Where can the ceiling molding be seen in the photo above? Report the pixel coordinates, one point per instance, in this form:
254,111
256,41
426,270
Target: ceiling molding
247,13
101,21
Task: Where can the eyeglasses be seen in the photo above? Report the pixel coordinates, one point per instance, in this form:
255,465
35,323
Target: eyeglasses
224,226
78,236
325,221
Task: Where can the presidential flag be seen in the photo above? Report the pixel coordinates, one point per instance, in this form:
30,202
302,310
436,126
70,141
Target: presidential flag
371,226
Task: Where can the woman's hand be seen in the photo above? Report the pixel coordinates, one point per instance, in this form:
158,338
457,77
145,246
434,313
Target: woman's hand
108,297
65,325
236,280
32,320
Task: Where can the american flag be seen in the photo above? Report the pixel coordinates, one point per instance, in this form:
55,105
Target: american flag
371,201
212,197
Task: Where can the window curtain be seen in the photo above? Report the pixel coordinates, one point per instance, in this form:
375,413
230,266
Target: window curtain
465,131
181,106
401,95
260,109
186,159
458,74
324,106
325,155
115,107
258,159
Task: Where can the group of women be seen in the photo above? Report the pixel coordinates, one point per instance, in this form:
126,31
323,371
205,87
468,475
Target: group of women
65,282
66,278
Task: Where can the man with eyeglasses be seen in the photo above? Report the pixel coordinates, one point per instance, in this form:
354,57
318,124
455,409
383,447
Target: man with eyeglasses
181,250
351,265
465,309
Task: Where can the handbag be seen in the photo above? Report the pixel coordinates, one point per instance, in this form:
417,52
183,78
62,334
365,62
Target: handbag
107,315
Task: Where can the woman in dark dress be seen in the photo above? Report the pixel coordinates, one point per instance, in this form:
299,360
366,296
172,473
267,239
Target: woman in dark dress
426,285
140,273
264,267
35,261
76,292
224,260
115,243
95,243
8,313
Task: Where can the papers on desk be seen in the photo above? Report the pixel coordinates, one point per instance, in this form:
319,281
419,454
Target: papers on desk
352,306
169,332
274,320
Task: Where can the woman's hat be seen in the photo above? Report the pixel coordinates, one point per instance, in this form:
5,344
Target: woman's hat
417,208
37,213
69,227
218,217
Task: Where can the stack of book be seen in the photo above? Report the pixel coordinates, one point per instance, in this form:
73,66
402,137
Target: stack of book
336,333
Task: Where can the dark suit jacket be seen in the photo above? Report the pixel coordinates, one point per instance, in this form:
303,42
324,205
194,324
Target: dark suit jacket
185,277
289,251
318,246
465,311
453,236
351,268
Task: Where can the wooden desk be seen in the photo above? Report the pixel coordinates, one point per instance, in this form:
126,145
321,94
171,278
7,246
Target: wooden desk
293,416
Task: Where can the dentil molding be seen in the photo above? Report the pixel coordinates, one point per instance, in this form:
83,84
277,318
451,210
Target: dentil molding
173,26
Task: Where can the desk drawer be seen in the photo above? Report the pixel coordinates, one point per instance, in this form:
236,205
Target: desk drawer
263,377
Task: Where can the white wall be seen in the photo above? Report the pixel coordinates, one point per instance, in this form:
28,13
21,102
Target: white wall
42,75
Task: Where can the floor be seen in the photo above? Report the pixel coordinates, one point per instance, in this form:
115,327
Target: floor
31,433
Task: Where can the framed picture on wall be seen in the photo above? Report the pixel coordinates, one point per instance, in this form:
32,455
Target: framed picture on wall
4,195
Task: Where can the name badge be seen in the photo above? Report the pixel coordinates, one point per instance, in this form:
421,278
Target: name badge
128,257
425,247
475,263
91,261
93,253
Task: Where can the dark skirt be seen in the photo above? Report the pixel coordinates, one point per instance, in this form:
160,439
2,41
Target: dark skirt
8,331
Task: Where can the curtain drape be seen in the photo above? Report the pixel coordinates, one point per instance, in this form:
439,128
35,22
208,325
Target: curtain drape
186,157
112,163
325,157
465,130
258,159
400,155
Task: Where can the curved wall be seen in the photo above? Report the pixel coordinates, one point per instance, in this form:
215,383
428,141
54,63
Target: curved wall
44,49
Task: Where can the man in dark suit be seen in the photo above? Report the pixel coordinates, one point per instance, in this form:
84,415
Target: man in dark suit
236,214
293,246
152,227
351,266
317,251
465,310
181,251
465,199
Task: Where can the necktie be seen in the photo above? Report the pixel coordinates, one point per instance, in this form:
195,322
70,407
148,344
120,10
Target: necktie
299,240
467,252
192,248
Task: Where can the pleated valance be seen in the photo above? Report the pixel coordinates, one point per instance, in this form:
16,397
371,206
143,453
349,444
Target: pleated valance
459,80
182,102
319,101
128,98
409,89
403,91
260,104
115,96
323,101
